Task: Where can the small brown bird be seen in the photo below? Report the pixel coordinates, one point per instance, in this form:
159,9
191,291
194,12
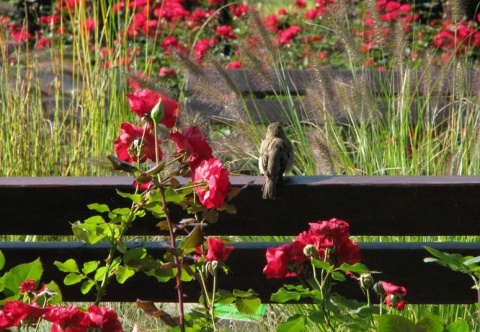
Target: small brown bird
276,158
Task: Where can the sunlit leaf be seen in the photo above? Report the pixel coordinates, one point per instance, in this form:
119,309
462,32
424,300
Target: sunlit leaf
293,324
394,323
87,286
248,306
72,279
283,295
68,266
123,273
89,267
100,208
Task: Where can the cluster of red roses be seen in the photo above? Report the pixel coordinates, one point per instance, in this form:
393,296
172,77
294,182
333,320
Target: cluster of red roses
331,240
139,144
71,318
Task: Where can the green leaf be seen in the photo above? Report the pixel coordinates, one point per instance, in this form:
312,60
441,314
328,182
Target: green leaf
100,208
123,273
430,323
136,198
2,260
473,260
356,268
339,276
87,286
283,296
69,266
162,275
87,232
458,326
394,323
73,278
100,273
12,279
248,306
292,324
453,261
194,239
322,265
122,211
173,196
89,267
51,299
244,294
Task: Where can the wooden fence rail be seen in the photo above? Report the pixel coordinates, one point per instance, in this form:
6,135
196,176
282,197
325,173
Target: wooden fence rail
373,206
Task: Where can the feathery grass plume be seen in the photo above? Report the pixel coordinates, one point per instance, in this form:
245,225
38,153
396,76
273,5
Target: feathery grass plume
186,62
458,85
454,10
321,98
399,41
322,153
262,76
371,7
266,43
337,17
226,84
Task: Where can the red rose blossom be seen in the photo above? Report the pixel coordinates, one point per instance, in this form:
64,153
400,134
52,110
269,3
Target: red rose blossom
334,235
104,319
394,295
27,286
217,250
211,182
126,145
193,141
142,102
285,261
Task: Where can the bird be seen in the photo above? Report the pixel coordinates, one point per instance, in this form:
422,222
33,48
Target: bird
276,158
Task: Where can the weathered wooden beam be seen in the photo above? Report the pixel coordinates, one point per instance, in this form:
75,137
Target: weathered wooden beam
400,263
396,205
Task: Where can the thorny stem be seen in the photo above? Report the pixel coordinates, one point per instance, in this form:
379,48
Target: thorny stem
172,242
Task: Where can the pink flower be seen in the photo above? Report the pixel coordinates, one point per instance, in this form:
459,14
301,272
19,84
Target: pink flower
217,250
136,143
211,183
287,35
194,142
142,102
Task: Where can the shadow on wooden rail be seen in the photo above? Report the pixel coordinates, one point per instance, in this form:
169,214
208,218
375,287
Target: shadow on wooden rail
373,206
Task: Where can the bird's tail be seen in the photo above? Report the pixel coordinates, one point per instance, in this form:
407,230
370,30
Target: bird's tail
269,188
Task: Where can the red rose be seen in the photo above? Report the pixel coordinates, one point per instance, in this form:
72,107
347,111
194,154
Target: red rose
285,261
127,144
394,295
334,235
104,319
15,311
74,318
142,102
193,141
211,182
27,286
217,250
